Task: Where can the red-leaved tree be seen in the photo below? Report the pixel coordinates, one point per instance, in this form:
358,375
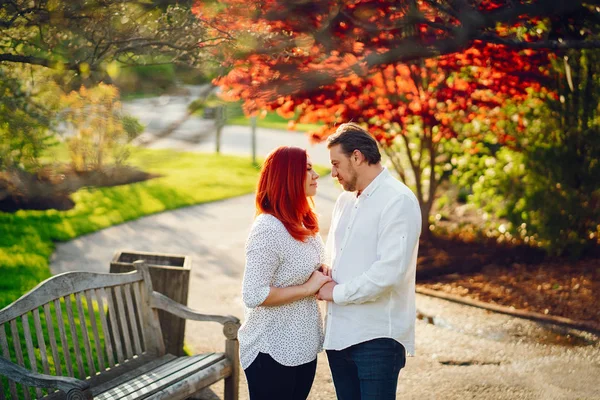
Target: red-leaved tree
315,65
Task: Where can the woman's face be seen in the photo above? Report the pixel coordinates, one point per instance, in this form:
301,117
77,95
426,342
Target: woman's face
310,182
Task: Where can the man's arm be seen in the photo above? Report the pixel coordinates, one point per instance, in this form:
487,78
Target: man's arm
399,231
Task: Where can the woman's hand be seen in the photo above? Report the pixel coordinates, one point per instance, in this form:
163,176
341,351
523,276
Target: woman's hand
279,296
325,269
316,280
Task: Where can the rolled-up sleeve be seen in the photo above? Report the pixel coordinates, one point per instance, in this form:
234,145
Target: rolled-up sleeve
398,233
262,260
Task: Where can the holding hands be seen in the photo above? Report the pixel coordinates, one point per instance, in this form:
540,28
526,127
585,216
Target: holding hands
324,281
316,281
325,269
326,291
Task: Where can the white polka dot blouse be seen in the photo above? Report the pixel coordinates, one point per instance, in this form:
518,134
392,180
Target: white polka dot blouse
291,333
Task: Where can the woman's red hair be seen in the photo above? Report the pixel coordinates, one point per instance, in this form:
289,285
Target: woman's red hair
281,191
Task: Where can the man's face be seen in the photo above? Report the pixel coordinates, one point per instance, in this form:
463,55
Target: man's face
342,168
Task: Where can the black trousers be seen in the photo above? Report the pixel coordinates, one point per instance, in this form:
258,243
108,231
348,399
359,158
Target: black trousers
269,380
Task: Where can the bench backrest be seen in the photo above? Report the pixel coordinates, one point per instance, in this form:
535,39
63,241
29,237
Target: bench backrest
83,325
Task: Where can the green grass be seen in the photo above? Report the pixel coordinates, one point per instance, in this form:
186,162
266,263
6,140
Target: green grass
272,121
235,116
140,95
27,237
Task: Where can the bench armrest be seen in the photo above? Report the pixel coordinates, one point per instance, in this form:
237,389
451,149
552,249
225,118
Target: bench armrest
74,388
231,324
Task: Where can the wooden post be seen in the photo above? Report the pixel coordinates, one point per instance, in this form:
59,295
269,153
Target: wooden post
232,382
220,122
232,350
253,138
170,276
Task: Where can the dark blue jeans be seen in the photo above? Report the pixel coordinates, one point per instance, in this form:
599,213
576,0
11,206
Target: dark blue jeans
368,370
269,380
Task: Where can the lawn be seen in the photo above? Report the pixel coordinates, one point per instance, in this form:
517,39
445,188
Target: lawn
27,237
272,120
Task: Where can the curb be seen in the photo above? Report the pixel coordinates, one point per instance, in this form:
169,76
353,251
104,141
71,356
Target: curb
587,326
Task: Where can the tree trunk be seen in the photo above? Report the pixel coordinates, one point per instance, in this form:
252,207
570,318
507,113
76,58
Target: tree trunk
425,210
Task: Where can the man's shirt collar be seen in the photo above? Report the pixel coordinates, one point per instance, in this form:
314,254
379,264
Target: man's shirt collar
371,187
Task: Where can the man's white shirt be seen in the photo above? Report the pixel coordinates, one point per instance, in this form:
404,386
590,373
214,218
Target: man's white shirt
372,245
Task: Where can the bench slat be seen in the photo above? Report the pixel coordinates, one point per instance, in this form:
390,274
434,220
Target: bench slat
132,319
140,381
100,295
179,388
150,322
156,379
114,327
74,338
19,353
86,338
124,377
63,338
52,340
39,333
62,285
138,304
123,319
40,340
6,354
89,299
29,347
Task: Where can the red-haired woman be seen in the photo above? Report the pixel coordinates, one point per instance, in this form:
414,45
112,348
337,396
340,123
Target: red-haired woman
282,332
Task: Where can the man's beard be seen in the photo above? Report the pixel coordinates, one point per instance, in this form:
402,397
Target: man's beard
350,185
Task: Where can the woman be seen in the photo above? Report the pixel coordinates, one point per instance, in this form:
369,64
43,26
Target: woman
282,332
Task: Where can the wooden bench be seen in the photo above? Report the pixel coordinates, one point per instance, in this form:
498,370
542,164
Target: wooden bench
82,335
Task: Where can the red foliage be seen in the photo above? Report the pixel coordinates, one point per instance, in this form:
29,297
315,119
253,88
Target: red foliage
282,41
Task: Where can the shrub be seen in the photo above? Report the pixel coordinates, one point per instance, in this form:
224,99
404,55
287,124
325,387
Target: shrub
25,121
101,132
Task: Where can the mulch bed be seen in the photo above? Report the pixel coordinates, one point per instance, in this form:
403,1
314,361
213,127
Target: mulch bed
51,186
513,276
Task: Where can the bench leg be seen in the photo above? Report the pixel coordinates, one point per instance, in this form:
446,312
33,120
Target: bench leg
232,383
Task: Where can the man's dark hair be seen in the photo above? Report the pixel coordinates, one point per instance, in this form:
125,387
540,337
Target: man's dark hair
352,136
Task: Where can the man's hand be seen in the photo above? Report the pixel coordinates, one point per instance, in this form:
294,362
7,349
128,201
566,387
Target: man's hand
325,269
326,291
315,282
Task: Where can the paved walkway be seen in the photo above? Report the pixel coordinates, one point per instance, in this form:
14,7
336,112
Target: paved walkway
466,353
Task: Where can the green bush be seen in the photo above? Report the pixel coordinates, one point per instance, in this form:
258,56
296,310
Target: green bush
141,80
547,185
132,126
26,120
193,76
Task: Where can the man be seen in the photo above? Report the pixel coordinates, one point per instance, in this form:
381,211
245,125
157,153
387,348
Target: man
373,243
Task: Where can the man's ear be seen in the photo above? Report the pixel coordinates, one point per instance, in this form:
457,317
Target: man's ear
357,156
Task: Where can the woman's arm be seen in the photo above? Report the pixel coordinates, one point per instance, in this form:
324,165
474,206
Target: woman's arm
262,260
279,296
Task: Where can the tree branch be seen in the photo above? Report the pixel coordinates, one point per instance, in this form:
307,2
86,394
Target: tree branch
400,24
541,44
40,61
542,8
393,157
